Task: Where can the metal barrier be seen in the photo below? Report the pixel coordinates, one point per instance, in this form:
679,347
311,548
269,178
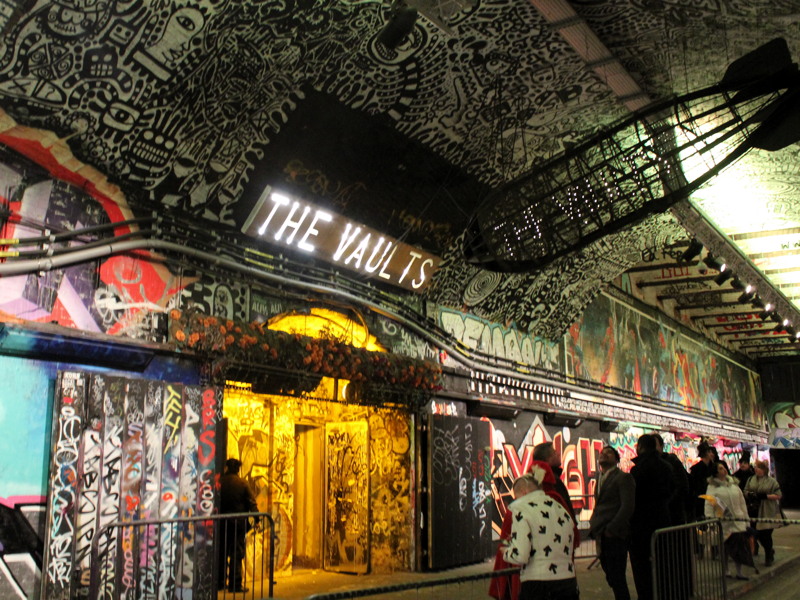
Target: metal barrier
445,589
688,561
185,558
584,505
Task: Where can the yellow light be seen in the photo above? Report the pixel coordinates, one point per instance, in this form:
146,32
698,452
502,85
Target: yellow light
324,323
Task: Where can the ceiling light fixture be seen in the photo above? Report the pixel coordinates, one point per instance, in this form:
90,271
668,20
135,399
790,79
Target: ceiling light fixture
713,262
691,251
748,294
724,275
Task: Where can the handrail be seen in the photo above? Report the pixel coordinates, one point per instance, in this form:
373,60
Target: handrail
400,587
103,533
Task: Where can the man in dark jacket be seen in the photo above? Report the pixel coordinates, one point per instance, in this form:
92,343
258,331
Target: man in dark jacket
236,497
547,453
698,478
611,520
745,470
680,480
654,490
676,571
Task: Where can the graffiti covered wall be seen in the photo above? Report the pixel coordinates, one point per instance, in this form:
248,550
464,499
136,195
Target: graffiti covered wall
124,450
264,433
784,419
614,345
117,295
513,442
25,418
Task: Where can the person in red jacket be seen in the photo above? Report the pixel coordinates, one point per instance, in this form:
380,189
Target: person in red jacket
508,587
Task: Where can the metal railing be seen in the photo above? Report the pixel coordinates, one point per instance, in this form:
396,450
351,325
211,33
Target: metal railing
208,557
588,546
688,561
463,586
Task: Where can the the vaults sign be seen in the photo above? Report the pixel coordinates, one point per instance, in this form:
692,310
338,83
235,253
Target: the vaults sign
298,224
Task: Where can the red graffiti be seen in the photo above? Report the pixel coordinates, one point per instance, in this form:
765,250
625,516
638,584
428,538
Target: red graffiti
517,467
209,404
131,502
207,447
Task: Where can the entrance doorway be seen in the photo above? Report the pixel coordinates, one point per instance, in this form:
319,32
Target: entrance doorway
309,483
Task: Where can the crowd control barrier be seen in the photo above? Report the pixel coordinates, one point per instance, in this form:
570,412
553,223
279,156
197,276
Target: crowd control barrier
181,558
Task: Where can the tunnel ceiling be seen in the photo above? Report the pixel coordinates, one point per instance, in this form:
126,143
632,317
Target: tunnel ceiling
196,106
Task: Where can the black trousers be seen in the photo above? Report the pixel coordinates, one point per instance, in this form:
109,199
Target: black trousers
764,537
614,560
231,546
555,589
640,564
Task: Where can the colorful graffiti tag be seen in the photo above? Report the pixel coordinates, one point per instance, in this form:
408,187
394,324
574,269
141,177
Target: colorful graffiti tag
106,419
513,445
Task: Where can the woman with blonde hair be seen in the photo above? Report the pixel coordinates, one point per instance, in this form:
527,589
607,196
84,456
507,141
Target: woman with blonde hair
766,491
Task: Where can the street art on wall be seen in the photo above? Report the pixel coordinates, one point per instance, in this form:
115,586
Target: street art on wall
346,538
614,345
458,523
513,443
502,342
263,432
107,455
784,419
117,295
25,416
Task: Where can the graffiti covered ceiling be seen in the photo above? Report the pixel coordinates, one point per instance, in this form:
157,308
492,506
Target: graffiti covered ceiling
196,106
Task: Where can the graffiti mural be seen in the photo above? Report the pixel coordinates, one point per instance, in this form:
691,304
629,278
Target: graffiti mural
346,547
784,419
502,342
512,446
614,345
109,447
459,491
117,295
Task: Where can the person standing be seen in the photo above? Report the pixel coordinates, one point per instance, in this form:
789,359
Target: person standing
725,499
508,587
767,492
541,541
680,481
236,497
677,572
546,452
698,478
654,490
744,472
610,525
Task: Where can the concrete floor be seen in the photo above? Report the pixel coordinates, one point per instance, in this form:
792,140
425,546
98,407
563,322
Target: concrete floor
778,582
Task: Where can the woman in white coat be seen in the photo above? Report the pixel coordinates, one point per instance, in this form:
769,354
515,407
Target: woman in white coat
725,500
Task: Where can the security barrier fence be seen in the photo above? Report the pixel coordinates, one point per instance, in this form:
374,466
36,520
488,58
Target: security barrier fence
689,561
588,546
185,558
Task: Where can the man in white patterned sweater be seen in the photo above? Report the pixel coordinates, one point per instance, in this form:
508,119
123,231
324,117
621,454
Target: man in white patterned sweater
541,541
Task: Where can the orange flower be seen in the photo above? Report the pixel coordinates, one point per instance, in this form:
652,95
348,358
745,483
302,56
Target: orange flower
193,339
180,335
175,314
